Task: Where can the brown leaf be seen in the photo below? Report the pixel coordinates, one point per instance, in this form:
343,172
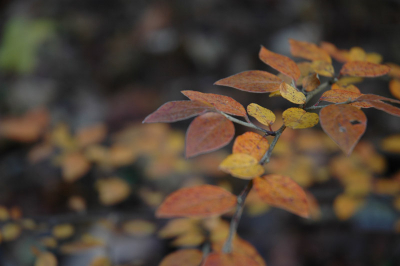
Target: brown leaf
252,144
220,102
311,82
308,51
197,202
282,192
208,132
229,259
177,110
364,69
252,81
282,63
345,124
183,257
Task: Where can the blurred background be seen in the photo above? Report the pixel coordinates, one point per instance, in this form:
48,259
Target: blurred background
81,177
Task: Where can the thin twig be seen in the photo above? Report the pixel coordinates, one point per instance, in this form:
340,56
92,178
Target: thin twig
323,106
236,217
316,91
267,155
247,124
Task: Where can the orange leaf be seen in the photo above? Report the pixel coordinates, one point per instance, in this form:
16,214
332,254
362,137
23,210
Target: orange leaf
311,82
340,96
183,257
308,51
208,132
282,192
74,166
220,102
364,69
394,70
345,124
282,63
229,259
376,102
332,50
252,144
177,110
197,202
394,87
252,81
346,87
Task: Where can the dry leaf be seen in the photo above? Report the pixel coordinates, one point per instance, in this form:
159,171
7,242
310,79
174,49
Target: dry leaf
197,202
345,87
297,118
252,81
292,94
340,55
252,144
263,115
282,63
311,82
242,165
364,69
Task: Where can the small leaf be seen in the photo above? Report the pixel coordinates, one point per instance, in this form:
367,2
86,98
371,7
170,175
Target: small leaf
282,192
252,144
349,80
345,206
357,54
252,81
183,257
229,259
112,190
374,58
197,202
346,87
63,231
220,102
282,63
298,118
394,87
364,69
241,165
376,102
345,124
275,94
46,259
394,70
340,96
176,111
263,115
208,132
323,68
311,82
308,51
340,55
292,94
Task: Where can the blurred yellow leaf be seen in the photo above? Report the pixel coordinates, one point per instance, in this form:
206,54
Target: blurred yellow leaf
189,239
242,166
139,228
112,190
74,166
100,261
63,231
357,54
77,203
323,68
263,115
91,135
345,206
374,58
4,214
11,231
177,227
391,144
49,242
46,259
394,87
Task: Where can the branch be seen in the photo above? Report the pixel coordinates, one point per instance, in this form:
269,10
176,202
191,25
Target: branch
246,124
317,90
323,106
236,217
267,155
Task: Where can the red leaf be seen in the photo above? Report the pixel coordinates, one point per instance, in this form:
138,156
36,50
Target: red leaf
252,81
220,102
177,110
345,124
208,132
197,202
364,69
282,63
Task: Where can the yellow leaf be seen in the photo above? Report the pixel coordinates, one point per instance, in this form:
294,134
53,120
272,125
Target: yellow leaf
46,259
345,206
139,228
349,80
4,215
63,231
292,94
100,261
11,231
177,227
297,118
374,58
323,68
357,54
242,166
113,190
189,239
49,242
391,144
263,115
275,94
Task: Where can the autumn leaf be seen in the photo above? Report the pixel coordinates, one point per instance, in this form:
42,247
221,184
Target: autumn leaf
183,257
252,144
364,69
345,206
197,202
11,231
308,51
177,110
345,87
91,135
332,50
374,58
220,102
376,101
282,192
229,259
252,81
391,143
298,118
292,94
345,124
282,63
189,239
263,115
394,70
311,82
323,68
349,80
178,227
357,54
112,190
46,259
208,132
394,87
74,166
242,166
340,96
63,231
305,70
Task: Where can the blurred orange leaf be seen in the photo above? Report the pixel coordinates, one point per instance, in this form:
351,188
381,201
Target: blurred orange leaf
252,144
242,165
394,87
229,259
345,87
282,192
139,228
298,118
74,166
263,115
376,102
308,51
100,261
178,110
345,124
197,202
208,132
91,135
394,70
282,63
46,259
220,102
364,69
183,257
292,94
112,190
252,81
311,82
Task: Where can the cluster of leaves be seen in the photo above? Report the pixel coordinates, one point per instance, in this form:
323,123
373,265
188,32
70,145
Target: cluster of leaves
342,120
